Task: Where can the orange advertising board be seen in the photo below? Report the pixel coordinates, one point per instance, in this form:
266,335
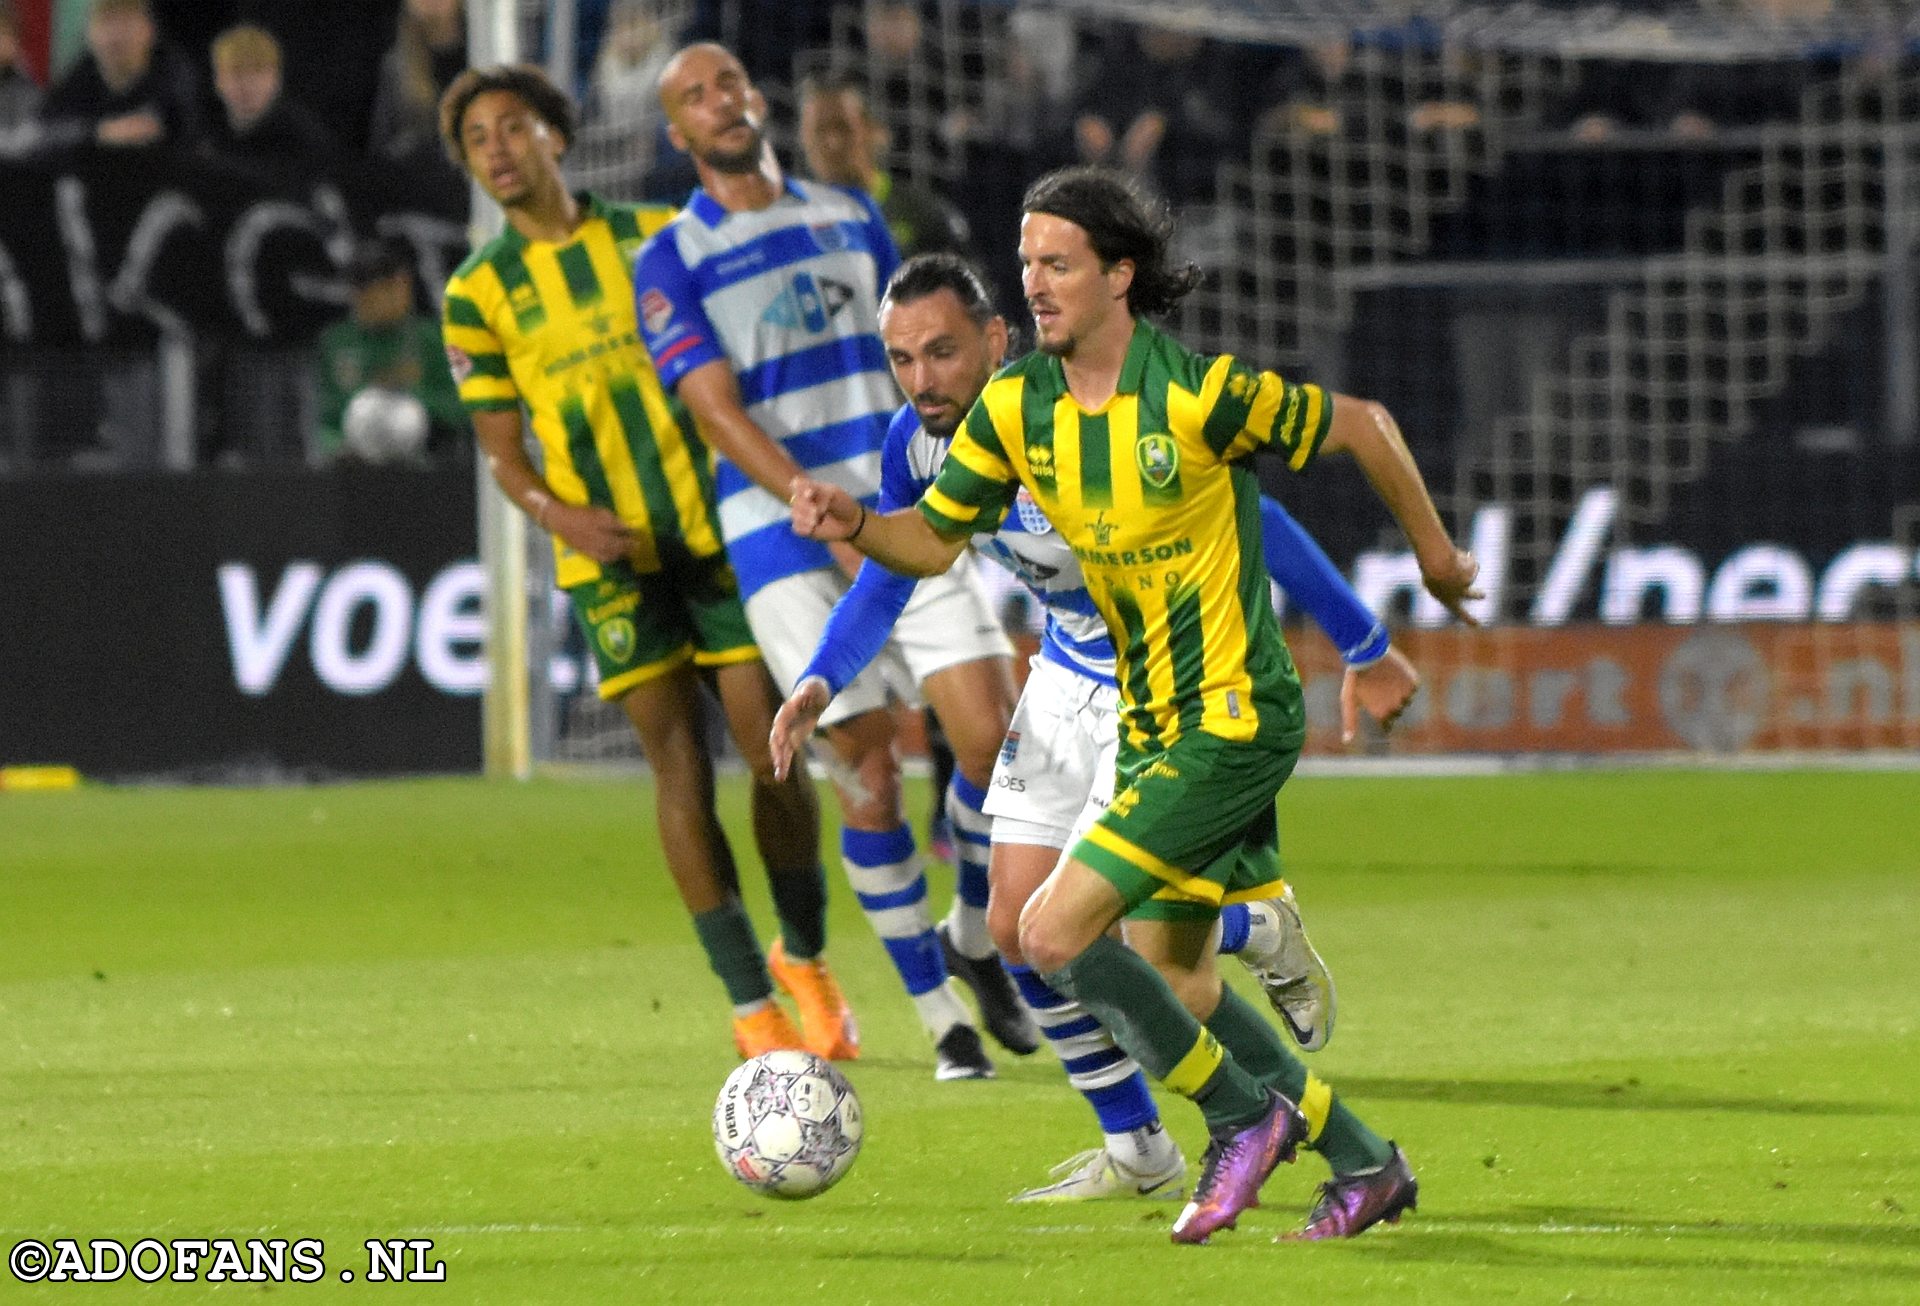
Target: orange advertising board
1642,689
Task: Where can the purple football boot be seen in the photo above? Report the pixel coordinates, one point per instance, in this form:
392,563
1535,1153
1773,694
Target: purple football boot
1236,1164
1352,1204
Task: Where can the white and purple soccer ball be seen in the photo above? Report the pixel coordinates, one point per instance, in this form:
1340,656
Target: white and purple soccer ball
787,1124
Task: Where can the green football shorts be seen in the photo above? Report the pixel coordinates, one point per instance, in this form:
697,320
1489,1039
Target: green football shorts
641,625
1192,827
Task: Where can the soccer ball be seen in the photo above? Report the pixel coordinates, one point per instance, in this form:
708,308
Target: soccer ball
384,425
787,1124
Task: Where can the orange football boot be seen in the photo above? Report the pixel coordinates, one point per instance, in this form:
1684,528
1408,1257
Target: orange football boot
831,1031
766,1030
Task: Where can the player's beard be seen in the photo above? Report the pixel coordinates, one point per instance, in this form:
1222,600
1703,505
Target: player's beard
744,160
1058,347
940,430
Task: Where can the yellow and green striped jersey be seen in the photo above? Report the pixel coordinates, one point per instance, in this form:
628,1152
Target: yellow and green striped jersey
1155,494
553,326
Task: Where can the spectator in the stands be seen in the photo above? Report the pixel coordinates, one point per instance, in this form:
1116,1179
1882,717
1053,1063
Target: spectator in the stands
259,123
385,394
905,84
429,51
132,88
330,55
1043,73
1307,89
19,93
765,35
1160,111
1683,101
845,146
626,75
624,93
1327,89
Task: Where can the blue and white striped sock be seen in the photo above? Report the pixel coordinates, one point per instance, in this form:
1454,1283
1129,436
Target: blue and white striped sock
884,869
972,840
1107,1077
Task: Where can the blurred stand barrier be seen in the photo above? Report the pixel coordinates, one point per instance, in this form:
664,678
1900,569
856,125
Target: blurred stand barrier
157,307
1699,691
241,626
251,626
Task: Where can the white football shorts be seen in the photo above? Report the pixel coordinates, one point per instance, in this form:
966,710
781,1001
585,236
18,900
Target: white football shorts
1055,773
948,621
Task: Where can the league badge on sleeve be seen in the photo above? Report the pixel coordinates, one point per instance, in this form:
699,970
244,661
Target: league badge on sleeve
656,310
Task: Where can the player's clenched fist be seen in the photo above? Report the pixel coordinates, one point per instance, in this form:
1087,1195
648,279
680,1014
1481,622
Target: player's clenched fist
824,512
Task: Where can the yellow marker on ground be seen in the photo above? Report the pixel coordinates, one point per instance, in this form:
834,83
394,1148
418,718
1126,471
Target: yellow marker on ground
23,778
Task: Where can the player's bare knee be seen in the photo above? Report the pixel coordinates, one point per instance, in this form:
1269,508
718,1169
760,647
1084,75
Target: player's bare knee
873,801
1047,943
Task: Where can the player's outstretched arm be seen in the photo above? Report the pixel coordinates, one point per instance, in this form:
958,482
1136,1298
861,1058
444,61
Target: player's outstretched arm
1367,430
903,541
586,528
795,721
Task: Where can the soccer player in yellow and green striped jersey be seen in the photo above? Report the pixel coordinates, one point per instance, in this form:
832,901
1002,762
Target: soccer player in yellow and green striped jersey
1138,450
541,320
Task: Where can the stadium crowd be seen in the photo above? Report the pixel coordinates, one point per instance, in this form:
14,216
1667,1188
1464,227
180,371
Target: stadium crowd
864,92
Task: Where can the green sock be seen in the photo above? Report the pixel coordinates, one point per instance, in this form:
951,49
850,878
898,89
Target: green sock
1334,1131
800,898
1128,995
734,952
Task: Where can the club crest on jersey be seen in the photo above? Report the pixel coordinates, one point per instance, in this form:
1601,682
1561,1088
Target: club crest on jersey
1158,459
830,237
617,639
1009,748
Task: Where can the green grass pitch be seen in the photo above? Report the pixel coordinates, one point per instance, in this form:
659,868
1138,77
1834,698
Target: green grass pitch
1646,1036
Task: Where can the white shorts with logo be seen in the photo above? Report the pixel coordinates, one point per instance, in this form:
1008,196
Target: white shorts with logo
1055,773
948,621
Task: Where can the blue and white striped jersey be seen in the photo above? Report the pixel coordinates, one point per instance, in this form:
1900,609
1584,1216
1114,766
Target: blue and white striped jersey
788,296
1026,545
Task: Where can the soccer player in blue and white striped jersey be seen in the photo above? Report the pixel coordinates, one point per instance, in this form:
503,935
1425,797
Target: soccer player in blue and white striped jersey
758,304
